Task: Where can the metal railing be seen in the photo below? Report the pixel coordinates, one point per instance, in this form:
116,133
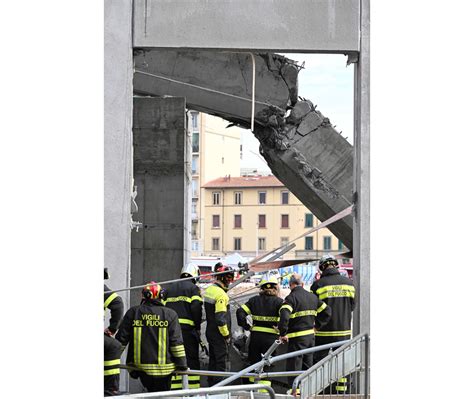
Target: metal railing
207,392
268,360
343,372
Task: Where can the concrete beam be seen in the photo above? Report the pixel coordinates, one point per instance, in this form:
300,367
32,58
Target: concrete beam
268,25
217,83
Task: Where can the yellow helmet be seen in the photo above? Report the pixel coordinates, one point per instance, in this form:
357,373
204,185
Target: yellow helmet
272,282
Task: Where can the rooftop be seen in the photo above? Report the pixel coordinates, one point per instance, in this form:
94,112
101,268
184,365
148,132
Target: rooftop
244,181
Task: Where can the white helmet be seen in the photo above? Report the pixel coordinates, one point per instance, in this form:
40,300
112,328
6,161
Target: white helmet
191,269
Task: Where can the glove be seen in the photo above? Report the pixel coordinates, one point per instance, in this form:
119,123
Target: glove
181,368
246,327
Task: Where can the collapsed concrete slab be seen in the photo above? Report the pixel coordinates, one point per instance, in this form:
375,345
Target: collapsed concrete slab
218,83
300,145
312,159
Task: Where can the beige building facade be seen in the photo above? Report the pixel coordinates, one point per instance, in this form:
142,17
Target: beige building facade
215,152
252,215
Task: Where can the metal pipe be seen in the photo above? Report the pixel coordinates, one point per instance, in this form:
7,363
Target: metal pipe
268,353
212,373
279,358
204,391
169,281
259,365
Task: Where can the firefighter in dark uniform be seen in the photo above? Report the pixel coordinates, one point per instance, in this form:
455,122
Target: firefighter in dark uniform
338,292
155,343
216,304
184,297
112,348
264,310
300,314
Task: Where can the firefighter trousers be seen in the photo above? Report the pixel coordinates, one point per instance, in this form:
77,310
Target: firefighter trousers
343,384
218,355
302,362
155,384
191,347
112,352
259,344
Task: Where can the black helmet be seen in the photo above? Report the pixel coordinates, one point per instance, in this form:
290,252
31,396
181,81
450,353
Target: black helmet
217,265
326,261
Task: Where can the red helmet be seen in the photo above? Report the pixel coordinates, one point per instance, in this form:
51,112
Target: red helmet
151,291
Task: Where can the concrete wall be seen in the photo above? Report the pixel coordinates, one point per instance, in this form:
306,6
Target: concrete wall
118,74
161,175
274,25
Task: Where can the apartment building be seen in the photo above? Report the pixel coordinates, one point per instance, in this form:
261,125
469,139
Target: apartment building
215,152
255,214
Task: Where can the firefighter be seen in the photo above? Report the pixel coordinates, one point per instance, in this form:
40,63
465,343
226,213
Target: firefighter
155,342
300,314
216,304
112,348
264,311
184,297
338,292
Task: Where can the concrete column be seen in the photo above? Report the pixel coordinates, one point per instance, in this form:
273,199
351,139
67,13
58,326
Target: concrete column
161,172
362,177
118,74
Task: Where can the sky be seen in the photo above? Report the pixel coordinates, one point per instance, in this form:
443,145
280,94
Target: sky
328,83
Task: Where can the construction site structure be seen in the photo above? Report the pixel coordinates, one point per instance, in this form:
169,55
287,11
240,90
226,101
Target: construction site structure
164,57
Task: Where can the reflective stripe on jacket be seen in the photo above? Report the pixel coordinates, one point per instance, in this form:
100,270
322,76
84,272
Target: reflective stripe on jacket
264,310
153,334
338,292
216,303
114,303
301,312
184,297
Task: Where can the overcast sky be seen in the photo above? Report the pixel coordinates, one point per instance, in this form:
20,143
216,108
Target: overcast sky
328,83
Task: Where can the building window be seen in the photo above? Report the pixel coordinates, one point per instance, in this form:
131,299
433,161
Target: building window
284,241
308,220
340,246
262,221
194,231
194,165
195,142
285,221
215,244
262,197
261,244
308,243
216,197
194,186
284,197
327,243
194,207
237,221
194,120
237,197
216,222
237,244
